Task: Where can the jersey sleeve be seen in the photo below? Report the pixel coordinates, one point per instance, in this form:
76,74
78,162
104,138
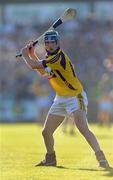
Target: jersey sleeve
41,71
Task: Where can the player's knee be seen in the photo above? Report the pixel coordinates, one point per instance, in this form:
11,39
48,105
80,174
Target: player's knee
45,132
84,130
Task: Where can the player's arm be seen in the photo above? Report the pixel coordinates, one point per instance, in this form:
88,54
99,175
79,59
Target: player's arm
33,55
29,61
32,59
32,52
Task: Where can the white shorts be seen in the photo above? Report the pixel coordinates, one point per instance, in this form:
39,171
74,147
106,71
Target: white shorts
64,106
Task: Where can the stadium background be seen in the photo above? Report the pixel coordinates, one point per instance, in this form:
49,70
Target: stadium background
25,96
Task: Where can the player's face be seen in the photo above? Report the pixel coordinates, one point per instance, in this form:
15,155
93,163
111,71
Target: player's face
50,46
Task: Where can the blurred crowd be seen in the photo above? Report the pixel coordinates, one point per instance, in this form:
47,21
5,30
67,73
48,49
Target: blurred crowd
89,43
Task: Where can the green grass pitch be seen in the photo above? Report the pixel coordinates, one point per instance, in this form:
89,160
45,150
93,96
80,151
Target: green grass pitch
21,146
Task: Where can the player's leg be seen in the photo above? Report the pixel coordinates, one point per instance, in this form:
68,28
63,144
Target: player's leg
82,124
51,124
65,124
72,127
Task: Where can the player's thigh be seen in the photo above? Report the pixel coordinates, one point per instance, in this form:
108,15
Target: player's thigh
52,122
81,120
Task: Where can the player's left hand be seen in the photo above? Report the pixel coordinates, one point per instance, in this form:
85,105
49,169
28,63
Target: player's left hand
31,49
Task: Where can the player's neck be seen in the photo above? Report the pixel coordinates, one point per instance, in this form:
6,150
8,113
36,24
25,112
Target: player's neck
53,53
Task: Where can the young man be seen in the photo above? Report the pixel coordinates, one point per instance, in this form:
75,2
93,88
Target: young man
70,96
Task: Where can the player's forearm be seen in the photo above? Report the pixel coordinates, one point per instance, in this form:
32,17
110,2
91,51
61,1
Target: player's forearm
31,63
34,56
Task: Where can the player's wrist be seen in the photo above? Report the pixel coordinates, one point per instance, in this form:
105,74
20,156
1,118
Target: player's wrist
33,56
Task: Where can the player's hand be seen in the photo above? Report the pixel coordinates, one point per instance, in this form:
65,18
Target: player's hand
25,51
31,50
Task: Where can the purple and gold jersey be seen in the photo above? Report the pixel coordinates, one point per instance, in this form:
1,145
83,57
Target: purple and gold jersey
62,76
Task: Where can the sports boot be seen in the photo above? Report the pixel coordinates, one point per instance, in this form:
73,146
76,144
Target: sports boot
102,159
50,160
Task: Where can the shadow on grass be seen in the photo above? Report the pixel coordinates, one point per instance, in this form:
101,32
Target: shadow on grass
59,167
62,167
88,169
82,169
108,170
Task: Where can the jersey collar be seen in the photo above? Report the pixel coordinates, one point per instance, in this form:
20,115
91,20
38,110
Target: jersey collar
53,53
